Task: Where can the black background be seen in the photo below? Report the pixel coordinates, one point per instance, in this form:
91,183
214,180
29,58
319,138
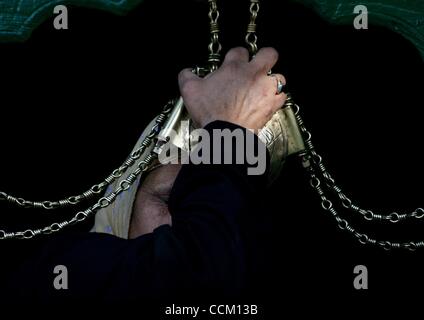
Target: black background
73,103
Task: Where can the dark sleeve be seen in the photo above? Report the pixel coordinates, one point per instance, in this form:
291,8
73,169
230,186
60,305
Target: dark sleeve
203,250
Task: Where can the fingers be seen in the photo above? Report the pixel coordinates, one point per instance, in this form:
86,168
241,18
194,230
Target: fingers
280,98
186,75
238,54
265,59
187,80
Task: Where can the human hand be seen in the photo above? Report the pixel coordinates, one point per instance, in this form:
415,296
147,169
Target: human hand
240,91
151,204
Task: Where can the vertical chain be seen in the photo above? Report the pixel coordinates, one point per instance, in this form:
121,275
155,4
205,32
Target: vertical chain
251,37
214,46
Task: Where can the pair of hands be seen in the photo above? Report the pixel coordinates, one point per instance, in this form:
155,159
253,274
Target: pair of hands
241,92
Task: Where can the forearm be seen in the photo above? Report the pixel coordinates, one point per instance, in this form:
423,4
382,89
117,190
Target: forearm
203,250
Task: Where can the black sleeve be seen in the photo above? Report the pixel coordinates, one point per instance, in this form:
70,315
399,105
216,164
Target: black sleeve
203,250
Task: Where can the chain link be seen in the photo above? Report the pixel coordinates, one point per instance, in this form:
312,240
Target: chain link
103,202
312,157
97,188
313,164
251,37
142,167
214,46
344,200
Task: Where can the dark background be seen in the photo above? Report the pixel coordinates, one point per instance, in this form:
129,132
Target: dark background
74,102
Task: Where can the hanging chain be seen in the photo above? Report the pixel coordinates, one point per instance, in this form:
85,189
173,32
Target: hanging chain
312,157
214,46
97,188
313,163
346,202
142,166
103,202
251,37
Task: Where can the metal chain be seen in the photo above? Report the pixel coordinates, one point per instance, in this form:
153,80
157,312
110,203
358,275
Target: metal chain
312,161
214,46
251,37
312,156
105,201
346,202
97,188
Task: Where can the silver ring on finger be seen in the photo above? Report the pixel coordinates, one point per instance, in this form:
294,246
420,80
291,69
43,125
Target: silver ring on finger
280,84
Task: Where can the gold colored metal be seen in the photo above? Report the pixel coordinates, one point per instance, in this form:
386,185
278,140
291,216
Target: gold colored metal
281,134
296,143
172,124
284,135
214,46
251,37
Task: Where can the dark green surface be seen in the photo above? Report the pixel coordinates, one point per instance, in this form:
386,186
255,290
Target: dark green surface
402,16
18,18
